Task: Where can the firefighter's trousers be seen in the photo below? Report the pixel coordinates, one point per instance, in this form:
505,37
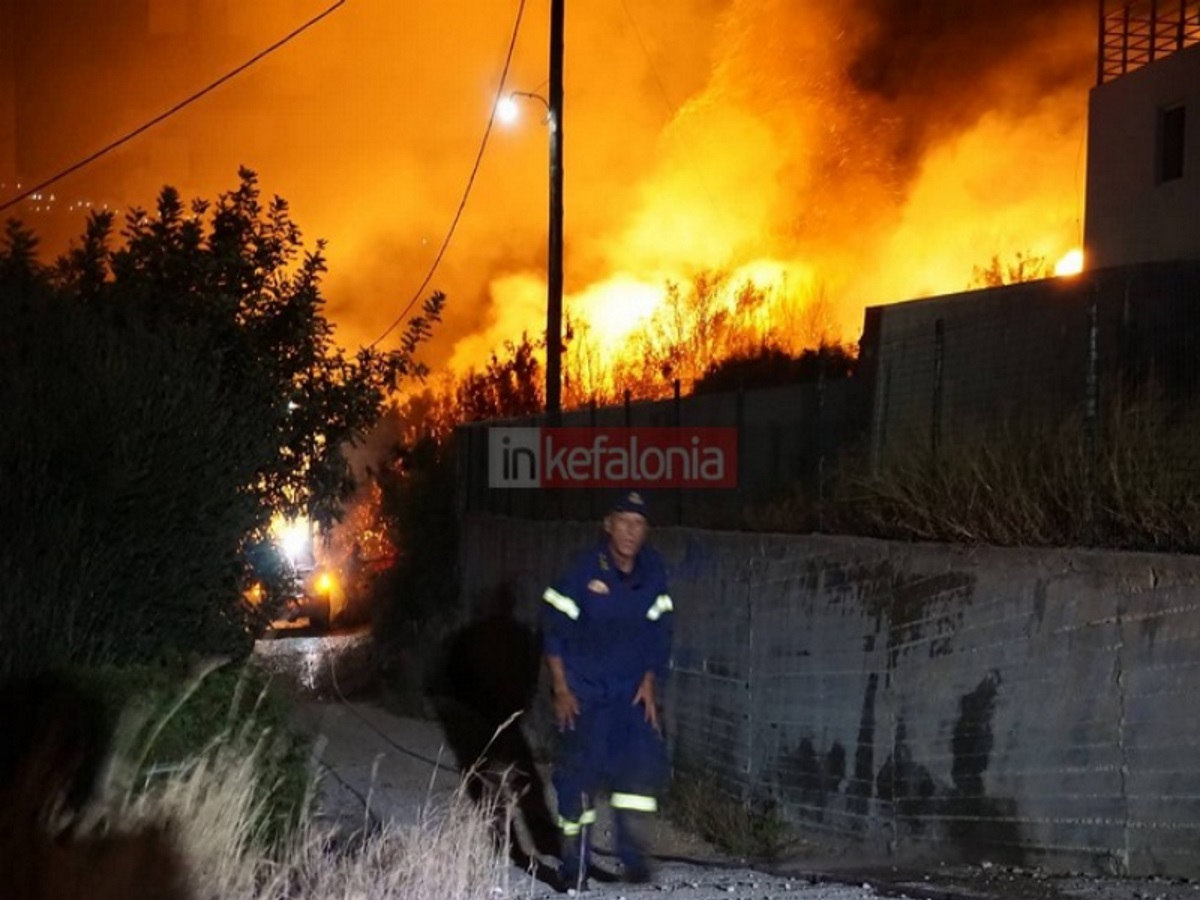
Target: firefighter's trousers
612,747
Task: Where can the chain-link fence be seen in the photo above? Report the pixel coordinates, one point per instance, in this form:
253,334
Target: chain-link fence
1030,357
788,438
1098,374
1058,412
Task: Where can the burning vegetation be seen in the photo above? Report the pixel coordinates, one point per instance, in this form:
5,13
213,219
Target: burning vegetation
834,156
743,178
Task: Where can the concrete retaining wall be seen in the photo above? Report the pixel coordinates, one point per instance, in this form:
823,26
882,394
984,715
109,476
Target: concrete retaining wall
1016,706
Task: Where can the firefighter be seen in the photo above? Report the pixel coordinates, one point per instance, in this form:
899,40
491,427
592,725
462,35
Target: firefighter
607,639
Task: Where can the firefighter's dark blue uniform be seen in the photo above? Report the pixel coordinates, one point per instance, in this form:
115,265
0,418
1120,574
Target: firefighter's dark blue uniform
610,629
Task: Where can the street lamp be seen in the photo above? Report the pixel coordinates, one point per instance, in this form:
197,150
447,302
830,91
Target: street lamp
506,110
554,276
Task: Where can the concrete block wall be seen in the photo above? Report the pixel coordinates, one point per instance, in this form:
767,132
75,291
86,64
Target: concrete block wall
1016,706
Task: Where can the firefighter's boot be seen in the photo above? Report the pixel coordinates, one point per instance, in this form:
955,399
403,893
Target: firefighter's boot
572,874
631,828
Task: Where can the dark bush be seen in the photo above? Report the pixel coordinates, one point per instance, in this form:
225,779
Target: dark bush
125,465
416,599
179,714
772,366
163,395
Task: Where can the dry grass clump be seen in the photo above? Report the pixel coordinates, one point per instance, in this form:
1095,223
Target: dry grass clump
739,828
212,807
1132,483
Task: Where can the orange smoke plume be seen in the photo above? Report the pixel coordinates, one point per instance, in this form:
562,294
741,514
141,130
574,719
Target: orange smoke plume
860,153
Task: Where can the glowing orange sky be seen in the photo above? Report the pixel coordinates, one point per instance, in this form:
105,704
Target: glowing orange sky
874,151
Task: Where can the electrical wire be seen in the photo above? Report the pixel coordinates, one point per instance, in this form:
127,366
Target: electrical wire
512,44
437,764
672,108
662,88
108,148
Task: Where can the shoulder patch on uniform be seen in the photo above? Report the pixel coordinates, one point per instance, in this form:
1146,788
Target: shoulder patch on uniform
596,586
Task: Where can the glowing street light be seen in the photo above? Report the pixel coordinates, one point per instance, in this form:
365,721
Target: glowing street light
507,110
554,272
554,275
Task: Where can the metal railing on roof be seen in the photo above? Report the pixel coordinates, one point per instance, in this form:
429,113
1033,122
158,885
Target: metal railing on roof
1135,34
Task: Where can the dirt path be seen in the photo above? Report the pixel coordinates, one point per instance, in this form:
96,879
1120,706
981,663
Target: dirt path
377,766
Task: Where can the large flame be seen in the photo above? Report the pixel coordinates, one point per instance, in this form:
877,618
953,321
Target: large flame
839,155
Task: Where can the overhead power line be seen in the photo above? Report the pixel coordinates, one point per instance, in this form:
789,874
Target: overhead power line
512,44
233,73
671,107
662,88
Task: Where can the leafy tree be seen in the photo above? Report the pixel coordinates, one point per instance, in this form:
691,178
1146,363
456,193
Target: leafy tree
417,511
690,329
125,463
586,378
239,272
162,397
429,412
509,386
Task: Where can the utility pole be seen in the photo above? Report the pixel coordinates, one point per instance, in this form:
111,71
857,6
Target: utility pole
554,275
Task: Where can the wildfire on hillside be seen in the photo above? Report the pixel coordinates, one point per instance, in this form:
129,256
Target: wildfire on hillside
835,155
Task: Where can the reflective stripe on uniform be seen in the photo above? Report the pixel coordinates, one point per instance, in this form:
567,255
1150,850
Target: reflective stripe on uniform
571,828
562,603
636,802
661,605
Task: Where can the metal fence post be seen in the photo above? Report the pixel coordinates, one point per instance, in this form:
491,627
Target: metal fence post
592,513
740,491
822,441
1091,405
678,424
939,354
509,501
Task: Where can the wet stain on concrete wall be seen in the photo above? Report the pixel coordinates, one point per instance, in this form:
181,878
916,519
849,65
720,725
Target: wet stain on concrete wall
982,826
910,621
906,784
859,790
818,776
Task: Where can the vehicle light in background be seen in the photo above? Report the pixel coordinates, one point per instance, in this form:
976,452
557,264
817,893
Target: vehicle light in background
293,536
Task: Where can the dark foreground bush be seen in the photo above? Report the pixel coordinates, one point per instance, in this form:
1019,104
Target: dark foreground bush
165,716
125,468
416,601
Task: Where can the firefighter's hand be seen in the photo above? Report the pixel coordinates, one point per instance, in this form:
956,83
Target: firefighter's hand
645,696
566,707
